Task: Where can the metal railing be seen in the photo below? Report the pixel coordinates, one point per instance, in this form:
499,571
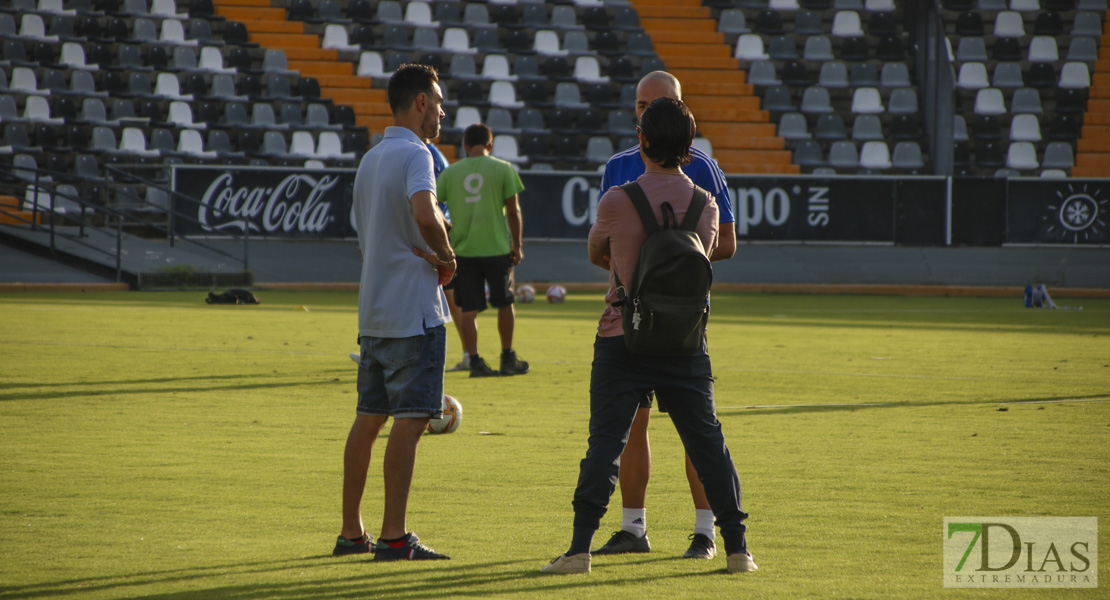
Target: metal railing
39,190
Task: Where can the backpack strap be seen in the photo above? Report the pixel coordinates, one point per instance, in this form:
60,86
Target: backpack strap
643,207
697,205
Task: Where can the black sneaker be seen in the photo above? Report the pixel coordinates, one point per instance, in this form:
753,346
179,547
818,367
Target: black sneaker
479,368
701,547
624,542
412,550
511,365
344,546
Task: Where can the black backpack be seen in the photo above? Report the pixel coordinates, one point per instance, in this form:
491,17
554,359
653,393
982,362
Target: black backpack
666,306
232,296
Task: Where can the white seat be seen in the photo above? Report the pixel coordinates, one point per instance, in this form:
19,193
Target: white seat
547,42
750,47
168,86
1022,155
335,37
133,141
586,68
505,147
866,100
846,23
211,59
502,93
314,164
1025,128
465,116
419,13
174,33
496,66
181,115
989,101
1042,48
302,144
973,76
875,155
1075,75
73,56
1008,23
1025,5
37,110
1054,174
783,5
328,145
32,26
24,82
456,39
166,9
189,142
370,65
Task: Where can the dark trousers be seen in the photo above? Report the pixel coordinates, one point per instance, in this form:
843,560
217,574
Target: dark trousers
684,389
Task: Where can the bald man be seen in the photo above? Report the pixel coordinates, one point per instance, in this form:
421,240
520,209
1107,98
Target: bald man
635,469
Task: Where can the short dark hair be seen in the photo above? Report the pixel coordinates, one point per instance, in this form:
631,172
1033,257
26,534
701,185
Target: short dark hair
409,82
477,134
668,128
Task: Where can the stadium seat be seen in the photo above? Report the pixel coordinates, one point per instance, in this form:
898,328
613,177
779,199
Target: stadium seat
874,155
1007,75
846,23
1026,101
903,101
793,126
1009,23
808,154
1075,75
808,22
863,75
1084,49
762,72
1086,24
907,155
1042,48
989,101
834,74
1025,128
1058,155
816,99
1021,156
867,100
867,127
973,75
830,127
782,48
818,48
732,20
844,155
750,47
505,147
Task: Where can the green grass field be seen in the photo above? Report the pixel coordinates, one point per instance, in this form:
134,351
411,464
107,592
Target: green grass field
154,446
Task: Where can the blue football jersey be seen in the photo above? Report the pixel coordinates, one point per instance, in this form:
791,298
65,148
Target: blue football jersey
627,165
439,163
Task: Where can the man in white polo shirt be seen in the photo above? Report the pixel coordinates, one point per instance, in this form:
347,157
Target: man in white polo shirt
407,257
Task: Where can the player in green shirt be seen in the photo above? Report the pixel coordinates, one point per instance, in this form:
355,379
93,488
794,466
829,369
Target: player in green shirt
482,193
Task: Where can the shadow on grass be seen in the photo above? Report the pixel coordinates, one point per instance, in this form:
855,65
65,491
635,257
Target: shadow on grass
790,410
391,580
84,392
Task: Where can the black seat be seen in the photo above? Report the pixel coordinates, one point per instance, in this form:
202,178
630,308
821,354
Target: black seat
891,48
1007,49
986,127
769,22
969,24
989,155
1041,75
1048,22
855,49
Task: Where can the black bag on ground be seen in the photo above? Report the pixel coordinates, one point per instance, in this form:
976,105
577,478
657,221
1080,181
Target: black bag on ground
232,296
665,307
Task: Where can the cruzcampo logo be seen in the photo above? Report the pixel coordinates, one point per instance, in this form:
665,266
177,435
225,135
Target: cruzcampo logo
1021,552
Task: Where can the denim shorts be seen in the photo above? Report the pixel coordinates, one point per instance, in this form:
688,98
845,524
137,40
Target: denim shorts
402,377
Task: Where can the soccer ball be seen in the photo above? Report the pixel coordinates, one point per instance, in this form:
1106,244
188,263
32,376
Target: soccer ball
525,293
450,419
556,294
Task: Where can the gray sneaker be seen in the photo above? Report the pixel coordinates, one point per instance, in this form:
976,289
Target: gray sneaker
741,563
566,565
464,365
624,542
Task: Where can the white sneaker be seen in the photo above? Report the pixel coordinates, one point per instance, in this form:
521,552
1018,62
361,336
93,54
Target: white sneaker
464,365
355,357
741,563
566,565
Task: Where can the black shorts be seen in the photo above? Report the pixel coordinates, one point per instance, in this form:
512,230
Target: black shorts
472,276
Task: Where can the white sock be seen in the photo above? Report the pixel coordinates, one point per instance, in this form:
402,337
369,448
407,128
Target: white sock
703,523
466,357
634,520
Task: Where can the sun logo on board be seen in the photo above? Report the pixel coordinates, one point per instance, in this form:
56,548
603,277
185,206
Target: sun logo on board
1079,216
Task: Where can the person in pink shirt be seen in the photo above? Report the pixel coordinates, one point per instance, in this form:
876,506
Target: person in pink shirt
683,385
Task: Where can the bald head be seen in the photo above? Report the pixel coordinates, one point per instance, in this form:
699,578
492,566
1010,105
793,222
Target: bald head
657,84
